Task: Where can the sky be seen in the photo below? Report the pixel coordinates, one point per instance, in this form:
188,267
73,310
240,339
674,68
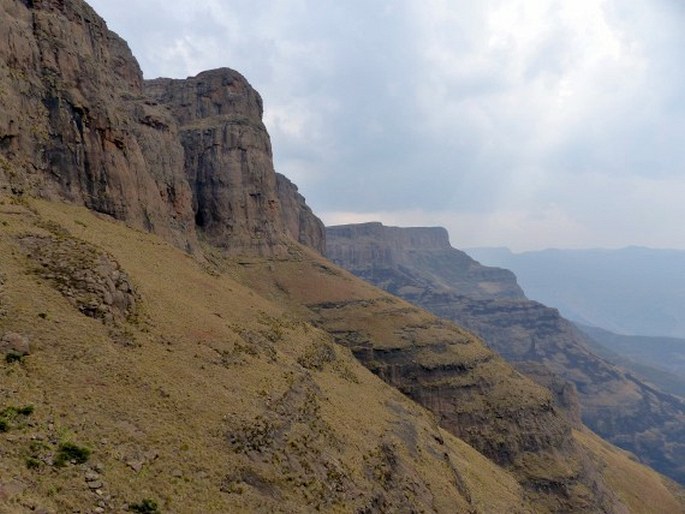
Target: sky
520,123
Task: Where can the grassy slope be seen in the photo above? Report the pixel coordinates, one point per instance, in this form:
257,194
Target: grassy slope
355,309
637,485
211,396
226,400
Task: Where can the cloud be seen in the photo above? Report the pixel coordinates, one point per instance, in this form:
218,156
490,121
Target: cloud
521,122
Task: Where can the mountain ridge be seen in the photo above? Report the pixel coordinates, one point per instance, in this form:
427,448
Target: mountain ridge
182,342
614,403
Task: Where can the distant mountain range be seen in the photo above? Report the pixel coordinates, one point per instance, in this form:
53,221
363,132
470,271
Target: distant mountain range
635,290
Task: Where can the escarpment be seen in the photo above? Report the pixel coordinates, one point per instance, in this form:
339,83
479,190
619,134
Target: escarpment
404,260
487,301
202,382
173,157
228,161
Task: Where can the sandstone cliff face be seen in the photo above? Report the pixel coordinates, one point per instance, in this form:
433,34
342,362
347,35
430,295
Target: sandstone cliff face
371,249
228,161
300,221
74,123
616,405
167,156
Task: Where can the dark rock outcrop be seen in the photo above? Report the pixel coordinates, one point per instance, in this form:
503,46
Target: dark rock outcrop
535,338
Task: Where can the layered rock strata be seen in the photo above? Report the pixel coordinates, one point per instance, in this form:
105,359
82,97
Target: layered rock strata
227,159
445,281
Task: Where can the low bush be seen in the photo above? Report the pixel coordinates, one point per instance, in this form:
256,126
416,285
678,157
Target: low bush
70,452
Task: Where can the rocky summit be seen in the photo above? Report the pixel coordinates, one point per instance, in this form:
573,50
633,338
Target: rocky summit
536,339
171,339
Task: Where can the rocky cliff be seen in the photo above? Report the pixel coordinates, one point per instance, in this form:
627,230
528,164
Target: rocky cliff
372,249
222,389
174,157
301,223
228,160
74,122
445,281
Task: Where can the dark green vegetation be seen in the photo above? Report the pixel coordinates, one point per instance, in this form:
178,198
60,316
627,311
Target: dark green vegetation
13,416
70,452
146,506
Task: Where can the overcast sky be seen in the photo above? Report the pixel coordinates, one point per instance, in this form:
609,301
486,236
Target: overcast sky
520,123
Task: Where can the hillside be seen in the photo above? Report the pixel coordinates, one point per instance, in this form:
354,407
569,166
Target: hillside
202,396
615,404
210,392
170,344
635,291
660,360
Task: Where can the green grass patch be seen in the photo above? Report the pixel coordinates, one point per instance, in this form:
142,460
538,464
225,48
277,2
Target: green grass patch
10,416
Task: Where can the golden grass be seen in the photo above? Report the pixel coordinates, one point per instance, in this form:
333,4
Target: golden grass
642,489
219,347
210,356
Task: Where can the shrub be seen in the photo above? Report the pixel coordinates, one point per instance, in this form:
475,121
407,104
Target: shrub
25,411
147,506
12,357
32,462
9,415
68,452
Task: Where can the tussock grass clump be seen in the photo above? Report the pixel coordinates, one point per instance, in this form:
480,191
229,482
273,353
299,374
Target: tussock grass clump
147,506
70,452
11,416
12,357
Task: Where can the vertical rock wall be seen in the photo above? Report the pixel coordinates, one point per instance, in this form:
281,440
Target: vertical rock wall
75,124
168,156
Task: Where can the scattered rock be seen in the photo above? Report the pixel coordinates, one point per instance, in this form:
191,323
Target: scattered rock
89,278
135,465
96,484
12,342
11,489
